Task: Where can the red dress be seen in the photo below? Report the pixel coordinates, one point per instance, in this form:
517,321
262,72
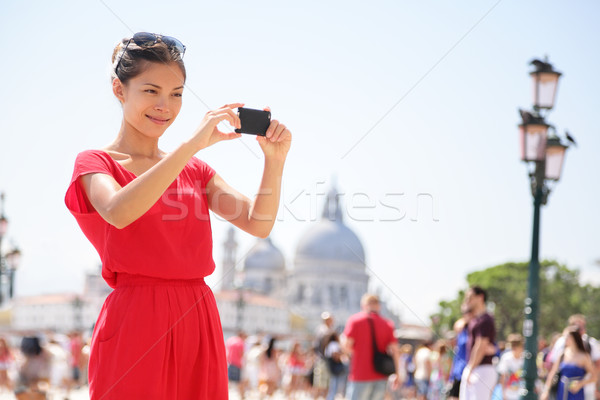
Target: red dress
158,335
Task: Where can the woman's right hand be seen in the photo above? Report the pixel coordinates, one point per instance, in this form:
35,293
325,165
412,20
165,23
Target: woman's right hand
208,132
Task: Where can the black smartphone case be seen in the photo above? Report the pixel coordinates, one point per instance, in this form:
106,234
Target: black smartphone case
254,122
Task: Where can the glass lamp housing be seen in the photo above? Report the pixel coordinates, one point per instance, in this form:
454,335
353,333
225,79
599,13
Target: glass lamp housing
533,138
555,156
544,84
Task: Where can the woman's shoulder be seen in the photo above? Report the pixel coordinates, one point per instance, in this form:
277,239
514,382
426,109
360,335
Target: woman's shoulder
96,154
205,171
93,152
570,358
88,161
198,162
583,357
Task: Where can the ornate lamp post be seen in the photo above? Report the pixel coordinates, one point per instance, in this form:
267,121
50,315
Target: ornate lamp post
9,262
13,259
77,304
240,305
544,150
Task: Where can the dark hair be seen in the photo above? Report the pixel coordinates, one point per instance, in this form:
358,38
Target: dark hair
270,348
577,339
133,60
478,291
30,346
332,337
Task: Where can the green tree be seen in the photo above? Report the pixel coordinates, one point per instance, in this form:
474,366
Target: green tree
561,295
445,318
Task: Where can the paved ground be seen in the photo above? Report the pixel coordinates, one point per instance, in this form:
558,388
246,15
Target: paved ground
82,394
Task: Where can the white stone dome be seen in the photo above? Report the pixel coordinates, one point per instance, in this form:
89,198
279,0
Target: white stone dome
330,239
264,256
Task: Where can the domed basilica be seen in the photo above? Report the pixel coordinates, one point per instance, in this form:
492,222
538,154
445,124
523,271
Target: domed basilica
328,274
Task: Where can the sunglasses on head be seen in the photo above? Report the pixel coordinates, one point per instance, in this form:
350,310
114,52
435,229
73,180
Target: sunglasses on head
147,39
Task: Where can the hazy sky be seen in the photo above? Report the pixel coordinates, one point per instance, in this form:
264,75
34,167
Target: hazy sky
410,106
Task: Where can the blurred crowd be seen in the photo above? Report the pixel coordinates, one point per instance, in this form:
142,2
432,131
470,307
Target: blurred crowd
317,366
262,365
32,366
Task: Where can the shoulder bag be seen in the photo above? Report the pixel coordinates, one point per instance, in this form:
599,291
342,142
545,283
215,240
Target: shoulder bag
383,362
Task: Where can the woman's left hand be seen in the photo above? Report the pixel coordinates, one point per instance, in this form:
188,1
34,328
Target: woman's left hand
276,144
575,387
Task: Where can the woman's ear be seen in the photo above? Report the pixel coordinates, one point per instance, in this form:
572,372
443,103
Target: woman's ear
117,87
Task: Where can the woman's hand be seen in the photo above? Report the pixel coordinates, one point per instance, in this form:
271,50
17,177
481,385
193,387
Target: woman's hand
575,386
208,132
276,144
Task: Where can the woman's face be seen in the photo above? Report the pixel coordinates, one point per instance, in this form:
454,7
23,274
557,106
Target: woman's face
152,100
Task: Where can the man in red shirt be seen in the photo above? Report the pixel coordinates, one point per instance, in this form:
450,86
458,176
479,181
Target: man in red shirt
234,346
365,382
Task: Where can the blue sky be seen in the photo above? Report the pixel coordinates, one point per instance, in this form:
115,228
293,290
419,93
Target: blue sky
405,104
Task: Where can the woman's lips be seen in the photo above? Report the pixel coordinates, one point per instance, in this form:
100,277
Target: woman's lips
158,121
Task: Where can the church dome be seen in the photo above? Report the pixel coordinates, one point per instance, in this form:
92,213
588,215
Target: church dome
264,255
330,239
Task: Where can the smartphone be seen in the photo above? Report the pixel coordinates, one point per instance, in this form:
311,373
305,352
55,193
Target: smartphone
254,122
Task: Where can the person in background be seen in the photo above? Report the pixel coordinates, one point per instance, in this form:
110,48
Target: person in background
591,345
269,372
311,359
441,363
461,328
575,367
234,348
510,367
7,360
34,370
357,341
252,361
406,371
320,368
85,359
547,363
479,376
60,370
336,360
423,370
296,369
75,347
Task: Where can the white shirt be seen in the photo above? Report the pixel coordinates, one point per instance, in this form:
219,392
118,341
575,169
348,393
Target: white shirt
422,356
511,368
332,347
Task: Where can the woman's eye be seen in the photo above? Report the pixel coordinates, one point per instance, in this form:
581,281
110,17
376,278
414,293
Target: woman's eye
178,94
150,91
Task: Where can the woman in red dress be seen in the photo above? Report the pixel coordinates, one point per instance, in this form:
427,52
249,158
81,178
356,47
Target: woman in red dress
146,211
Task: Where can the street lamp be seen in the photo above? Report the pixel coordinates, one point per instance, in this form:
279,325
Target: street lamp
533,135
13,259
555,156
9,262
541,147
77,304
240,305
544,83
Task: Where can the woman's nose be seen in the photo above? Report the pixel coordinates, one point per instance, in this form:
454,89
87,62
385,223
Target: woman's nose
162,104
